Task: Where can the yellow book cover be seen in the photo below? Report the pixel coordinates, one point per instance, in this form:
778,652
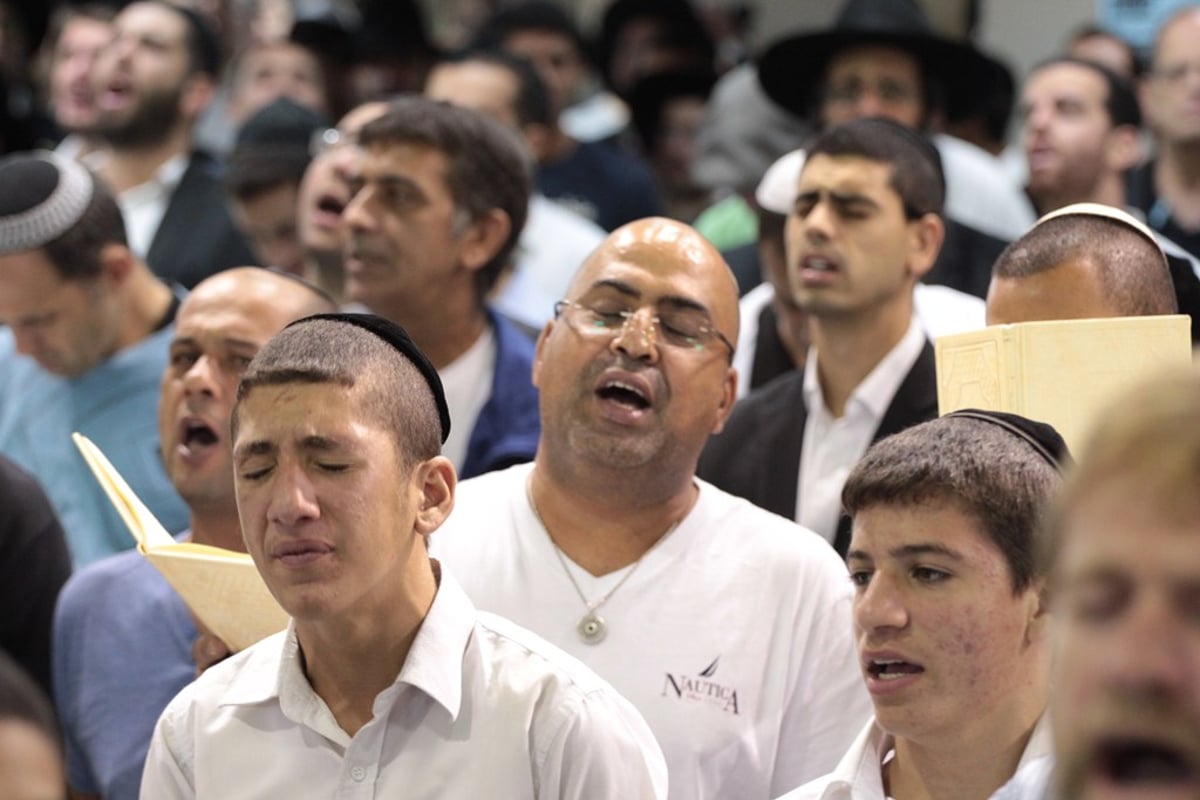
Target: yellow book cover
1061,372
221,587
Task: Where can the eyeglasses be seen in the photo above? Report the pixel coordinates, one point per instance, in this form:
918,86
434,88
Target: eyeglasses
329,139
683,328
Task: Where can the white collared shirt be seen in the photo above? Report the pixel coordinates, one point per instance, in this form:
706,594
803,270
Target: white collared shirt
833,445
143,206
481,708
859,775
467,381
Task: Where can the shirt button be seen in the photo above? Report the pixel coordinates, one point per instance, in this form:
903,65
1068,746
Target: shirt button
358,773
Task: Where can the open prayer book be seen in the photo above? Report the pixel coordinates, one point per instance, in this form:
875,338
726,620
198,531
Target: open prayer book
221,587
1060,372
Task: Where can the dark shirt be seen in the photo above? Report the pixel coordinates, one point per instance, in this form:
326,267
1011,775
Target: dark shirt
604,184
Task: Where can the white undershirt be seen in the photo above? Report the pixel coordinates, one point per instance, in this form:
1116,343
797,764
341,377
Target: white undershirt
143,206
468,383
833,445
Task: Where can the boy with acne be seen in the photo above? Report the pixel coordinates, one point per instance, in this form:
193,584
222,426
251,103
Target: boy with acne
948,610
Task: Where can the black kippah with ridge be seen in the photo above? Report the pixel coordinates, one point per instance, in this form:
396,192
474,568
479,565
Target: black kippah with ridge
27,182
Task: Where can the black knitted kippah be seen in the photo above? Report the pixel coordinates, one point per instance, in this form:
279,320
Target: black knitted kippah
399,339
42,196
1043,438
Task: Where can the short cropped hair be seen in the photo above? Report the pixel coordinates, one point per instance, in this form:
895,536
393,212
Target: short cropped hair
916,166
989,474
488,166
76,254
1131,268
1150,434
392,389
1121,102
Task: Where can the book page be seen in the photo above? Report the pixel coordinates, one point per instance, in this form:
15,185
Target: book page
224,590
221,587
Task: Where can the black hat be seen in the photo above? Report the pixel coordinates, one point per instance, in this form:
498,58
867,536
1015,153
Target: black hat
790,70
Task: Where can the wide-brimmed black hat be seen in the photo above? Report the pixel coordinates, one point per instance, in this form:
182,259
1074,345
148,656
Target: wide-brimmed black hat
791,70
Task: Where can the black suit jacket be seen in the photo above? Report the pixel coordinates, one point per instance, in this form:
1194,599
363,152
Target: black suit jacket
197,237
757,456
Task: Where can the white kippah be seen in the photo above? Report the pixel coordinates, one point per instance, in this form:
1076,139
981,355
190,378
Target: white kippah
1109,212
776,191
35,217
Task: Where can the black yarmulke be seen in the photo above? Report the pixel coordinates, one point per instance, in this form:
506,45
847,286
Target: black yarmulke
1041,436
399,339
27,182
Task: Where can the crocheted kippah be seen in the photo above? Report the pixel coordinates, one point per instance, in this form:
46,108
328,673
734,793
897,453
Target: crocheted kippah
43,196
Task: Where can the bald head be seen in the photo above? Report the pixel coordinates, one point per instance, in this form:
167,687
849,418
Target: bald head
1080,266
281,296
667,247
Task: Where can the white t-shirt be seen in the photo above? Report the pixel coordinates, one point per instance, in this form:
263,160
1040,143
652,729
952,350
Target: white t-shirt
732,638
859,775
467,382
553,245
480,708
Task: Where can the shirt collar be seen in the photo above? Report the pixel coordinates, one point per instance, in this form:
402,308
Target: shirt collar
860,774
876,391
433,666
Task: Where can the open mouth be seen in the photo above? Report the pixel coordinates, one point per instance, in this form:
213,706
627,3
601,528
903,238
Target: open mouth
1136,762
329,204
625,394
198,435
891,669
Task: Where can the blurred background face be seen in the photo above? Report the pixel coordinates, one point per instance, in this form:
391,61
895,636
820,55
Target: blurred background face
556,59
1126,705
140,74
325,190
72,94
279,69
31,767
1173,91
1066,130
873,81
67,326
268,220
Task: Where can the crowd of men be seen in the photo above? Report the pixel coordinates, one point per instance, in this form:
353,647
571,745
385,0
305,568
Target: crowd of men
578,406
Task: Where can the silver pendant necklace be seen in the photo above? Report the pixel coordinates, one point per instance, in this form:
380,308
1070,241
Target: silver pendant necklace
592,628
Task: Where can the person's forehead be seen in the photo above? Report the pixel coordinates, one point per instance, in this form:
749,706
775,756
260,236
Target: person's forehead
1074,80
874,59
1177,39
153,18
529,41
405,158
846,173
477,85
905,531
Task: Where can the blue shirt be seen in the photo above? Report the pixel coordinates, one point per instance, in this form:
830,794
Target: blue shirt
122,650
115,404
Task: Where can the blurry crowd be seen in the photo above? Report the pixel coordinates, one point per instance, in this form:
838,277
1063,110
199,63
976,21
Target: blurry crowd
671,298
